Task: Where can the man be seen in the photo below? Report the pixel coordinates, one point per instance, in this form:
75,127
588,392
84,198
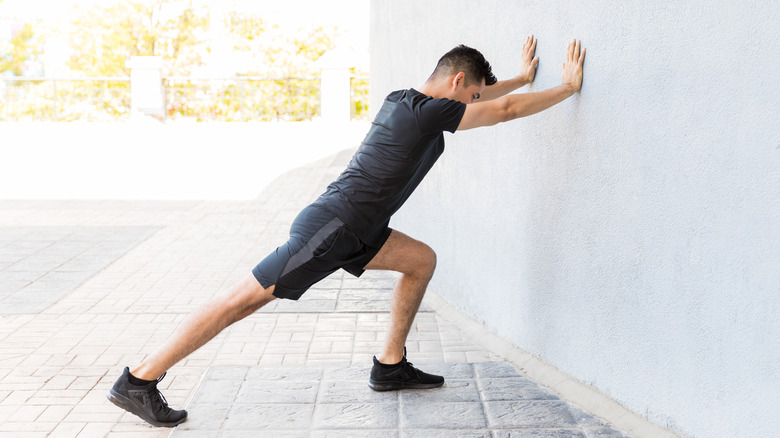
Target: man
347,226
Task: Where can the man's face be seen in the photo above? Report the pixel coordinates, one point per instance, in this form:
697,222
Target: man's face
468,94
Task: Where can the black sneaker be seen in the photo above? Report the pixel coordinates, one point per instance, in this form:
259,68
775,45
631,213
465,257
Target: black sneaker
144,401
401,376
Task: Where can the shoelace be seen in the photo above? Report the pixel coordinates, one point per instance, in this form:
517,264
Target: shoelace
157,396
410,366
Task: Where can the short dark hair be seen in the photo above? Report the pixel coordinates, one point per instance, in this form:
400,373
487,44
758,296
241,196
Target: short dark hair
467,60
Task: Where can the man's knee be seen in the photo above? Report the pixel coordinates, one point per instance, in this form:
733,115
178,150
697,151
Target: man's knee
248,296
427,262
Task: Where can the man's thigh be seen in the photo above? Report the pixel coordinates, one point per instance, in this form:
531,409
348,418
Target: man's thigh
403,254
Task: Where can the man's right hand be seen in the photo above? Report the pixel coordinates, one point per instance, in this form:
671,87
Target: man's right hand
571,71
513,106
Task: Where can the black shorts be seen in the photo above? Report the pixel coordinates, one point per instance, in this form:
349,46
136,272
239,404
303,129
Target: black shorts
319,245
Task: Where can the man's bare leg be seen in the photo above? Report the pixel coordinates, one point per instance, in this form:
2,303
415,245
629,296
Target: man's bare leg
416,262
143,398
238,302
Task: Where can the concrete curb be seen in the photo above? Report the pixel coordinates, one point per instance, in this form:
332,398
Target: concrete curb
546,374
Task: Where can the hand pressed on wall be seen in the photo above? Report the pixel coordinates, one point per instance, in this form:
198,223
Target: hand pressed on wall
528,63
571,70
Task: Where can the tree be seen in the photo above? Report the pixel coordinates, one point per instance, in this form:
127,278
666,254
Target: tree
276,51
23,46
287,55
105,38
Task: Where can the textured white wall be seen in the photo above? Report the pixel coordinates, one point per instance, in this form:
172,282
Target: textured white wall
630,235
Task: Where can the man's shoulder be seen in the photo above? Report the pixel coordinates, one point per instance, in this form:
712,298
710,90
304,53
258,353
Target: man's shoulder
417,100
427,114
409,94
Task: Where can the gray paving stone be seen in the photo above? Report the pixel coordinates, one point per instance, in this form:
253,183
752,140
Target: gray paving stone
429,415
321,293
585,419
495,370
539,433
451,370
218,391
366,294
513,388
302,306
43,264
186,433
37,263
332,282
353,372
269,417
20,306
376,281
355,391
357,433
532,413
333,305
354,306
452,391
272,391
205,416
264,434
356,416
226,373
603,432
446,433
337,399
53,278
291,373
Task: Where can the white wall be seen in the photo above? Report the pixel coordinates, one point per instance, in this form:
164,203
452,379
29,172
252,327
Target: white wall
630,235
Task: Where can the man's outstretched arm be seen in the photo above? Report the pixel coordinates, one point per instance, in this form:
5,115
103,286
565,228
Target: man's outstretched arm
528,64
521,105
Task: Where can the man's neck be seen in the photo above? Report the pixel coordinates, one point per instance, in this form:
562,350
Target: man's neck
435,89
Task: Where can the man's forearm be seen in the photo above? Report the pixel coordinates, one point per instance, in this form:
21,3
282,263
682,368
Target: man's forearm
522,105
502,88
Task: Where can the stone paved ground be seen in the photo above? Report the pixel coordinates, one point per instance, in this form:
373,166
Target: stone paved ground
478,400
89,287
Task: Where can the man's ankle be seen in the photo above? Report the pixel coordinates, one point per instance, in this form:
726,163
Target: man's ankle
137,381
392,358
389,363
140,373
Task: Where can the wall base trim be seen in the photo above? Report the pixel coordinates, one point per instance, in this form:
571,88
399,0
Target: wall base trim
546,374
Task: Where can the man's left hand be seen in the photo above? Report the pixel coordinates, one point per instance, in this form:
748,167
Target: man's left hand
528,62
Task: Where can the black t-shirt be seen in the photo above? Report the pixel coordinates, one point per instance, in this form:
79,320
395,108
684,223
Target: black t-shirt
405,140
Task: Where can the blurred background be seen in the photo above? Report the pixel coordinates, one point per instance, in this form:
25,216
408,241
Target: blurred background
230,60
136,79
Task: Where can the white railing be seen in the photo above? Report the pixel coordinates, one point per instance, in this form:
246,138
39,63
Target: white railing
241,98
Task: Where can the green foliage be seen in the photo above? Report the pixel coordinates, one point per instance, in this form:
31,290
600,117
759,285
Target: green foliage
105,38
245,29
65,100
243,99
296,55
359,98
23,46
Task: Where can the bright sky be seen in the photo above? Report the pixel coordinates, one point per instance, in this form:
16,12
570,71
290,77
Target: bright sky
351,16
331,11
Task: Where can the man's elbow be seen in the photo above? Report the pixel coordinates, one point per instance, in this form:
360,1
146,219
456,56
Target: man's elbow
508,112
514,107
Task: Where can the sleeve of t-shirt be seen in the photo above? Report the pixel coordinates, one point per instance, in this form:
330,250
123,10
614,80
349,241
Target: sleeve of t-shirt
436,115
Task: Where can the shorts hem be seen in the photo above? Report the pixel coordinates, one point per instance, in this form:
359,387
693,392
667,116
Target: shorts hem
265,282
358,271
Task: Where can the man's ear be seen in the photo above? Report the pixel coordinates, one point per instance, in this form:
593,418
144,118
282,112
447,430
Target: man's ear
457,80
